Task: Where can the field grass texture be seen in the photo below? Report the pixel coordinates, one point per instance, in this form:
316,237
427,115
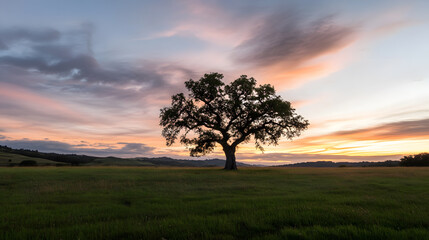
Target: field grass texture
209,203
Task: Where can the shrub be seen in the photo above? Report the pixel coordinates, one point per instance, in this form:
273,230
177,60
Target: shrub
421,159
28,163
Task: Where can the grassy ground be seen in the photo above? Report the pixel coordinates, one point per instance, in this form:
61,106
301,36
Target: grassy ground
198,203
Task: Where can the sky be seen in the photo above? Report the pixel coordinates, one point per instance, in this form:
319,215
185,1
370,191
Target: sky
90,77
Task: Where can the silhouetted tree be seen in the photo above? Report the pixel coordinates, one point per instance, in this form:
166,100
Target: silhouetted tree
421,159
216,113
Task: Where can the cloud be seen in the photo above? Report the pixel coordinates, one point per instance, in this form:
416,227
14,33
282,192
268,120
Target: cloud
14,35
129,149
402,137
17,101
1,136
218,24
287,39
3,46
392,20
68,62
65,60
390,131
136,147
52,80
47,146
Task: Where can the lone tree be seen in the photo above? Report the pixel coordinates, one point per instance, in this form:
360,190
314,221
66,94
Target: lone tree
228,114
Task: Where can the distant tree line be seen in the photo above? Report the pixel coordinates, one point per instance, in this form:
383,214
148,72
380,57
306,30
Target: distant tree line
72,159
421,159
388,163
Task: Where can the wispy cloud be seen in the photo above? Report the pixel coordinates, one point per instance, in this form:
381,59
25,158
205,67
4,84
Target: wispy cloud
18,101
390,138
286,38
390,131
11,36
285,47
210,21
282,47
52,82
69,62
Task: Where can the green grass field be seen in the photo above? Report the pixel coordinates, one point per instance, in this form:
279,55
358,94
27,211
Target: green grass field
208,203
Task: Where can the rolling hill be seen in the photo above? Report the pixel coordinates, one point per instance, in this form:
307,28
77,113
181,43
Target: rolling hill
13,157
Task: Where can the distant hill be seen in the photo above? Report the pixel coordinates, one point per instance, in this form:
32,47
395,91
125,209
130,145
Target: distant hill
388,163
160,161
70,159
12,157
165,161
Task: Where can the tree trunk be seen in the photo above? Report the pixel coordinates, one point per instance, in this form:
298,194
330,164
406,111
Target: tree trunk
230,163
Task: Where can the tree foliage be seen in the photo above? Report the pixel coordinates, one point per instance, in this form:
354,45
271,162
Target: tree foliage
421,159
228,114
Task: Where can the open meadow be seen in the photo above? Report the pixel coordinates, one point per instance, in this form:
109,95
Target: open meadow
209,203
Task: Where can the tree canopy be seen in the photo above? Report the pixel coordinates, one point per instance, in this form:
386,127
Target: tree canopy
421,159
228,114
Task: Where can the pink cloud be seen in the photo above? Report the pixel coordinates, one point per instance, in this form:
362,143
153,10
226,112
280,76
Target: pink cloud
30,100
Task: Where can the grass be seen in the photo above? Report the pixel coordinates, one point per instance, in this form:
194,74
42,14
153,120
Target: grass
208,203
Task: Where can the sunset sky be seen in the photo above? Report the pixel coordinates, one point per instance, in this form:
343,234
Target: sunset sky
89,77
